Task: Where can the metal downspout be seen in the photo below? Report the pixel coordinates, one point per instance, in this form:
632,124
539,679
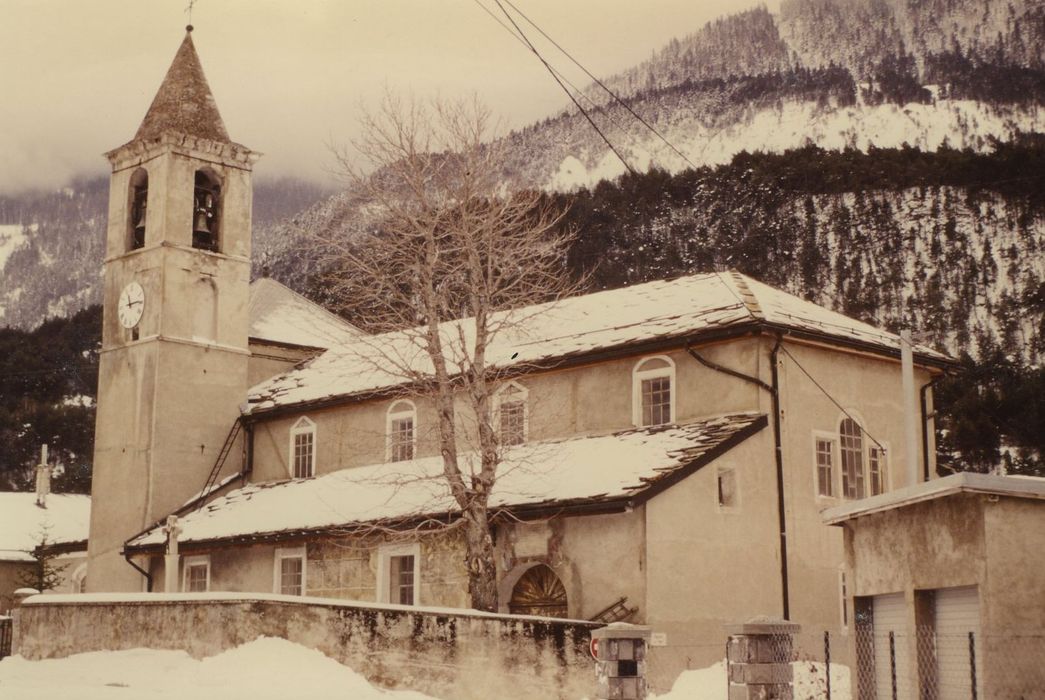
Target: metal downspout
143,572
778,449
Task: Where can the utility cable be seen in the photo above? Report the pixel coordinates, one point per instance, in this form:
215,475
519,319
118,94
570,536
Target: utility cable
601,84
559,73
573,99
833,400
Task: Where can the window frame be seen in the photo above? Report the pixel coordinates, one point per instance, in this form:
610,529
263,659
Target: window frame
883,459
385,553
638,375
302,426
861,474
392,415
521,395
190,562
836,484
843,598
281,553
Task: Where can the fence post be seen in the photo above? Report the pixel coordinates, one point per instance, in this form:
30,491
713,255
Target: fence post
972,663
758,659
827,661
892,661
619,650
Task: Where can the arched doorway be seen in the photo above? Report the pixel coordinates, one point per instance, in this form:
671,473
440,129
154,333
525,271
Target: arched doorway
539,592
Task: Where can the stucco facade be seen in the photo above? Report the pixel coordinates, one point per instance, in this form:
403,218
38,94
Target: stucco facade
981,534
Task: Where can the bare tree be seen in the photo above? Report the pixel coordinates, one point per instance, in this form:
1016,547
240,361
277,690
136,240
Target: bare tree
442,261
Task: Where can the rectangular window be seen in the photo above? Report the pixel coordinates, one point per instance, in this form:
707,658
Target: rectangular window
304,454
825,450
402,439
656,401
727,488
196,575
876,470
398,573
852,467
290,571
401,579
513,423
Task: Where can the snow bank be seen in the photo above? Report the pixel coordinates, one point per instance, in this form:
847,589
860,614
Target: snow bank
810,683
264,669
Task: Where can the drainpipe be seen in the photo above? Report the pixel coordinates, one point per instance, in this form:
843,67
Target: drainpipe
143,572
910,421
925,424
779,452
249,466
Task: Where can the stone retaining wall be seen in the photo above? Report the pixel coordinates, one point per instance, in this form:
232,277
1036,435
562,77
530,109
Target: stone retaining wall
450,654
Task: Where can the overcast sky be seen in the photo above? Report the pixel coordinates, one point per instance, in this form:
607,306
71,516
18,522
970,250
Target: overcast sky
76,76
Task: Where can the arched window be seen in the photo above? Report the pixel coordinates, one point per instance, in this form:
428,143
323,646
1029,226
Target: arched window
137,209
401,429
510,414
79,579
303,449
653,392
539,592
851,443
206,210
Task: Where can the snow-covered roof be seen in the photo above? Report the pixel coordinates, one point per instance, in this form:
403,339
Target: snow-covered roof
682,308
626,467
1031,487
279,314
65,520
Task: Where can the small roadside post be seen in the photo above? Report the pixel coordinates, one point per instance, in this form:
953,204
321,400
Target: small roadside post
619,650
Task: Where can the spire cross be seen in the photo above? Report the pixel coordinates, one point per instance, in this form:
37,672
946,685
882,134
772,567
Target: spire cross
188,11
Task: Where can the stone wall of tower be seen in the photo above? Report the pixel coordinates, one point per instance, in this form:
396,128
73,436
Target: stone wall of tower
169,394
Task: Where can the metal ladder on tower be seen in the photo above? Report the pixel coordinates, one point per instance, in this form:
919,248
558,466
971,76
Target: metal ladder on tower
230,440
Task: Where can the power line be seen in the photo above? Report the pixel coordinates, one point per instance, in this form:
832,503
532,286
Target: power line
559,73
833,400
569,94
601,84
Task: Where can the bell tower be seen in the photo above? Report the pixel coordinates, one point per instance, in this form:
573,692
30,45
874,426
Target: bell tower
173,368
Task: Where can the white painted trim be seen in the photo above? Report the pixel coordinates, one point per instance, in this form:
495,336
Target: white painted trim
836,467
638,375
187,563
384,554
281,553
302,426
523,395
78,576
392,415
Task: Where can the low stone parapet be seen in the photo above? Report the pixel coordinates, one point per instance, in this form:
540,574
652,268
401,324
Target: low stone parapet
445,652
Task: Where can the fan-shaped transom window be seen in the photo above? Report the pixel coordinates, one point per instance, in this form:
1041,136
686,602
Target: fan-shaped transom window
539,592
303,449
401,429
653,392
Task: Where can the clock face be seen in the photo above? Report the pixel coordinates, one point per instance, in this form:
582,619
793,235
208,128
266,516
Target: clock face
131,305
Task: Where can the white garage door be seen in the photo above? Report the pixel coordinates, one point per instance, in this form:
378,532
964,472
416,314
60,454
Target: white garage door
958,615
889,615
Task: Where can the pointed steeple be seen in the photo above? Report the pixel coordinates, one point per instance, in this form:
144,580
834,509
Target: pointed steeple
184,103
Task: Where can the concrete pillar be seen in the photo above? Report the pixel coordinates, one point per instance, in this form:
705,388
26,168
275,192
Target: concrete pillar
620,661
16,613
759,655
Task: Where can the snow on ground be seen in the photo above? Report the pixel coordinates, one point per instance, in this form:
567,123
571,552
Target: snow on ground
12,236
275,669
265,669
710,683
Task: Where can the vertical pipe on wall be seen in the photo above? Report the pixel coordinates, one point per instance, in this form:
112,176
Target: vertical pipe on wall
910,415
774,358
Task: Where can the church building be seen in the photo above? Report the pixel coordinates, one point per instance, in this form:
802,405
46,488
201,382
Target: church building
667,447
